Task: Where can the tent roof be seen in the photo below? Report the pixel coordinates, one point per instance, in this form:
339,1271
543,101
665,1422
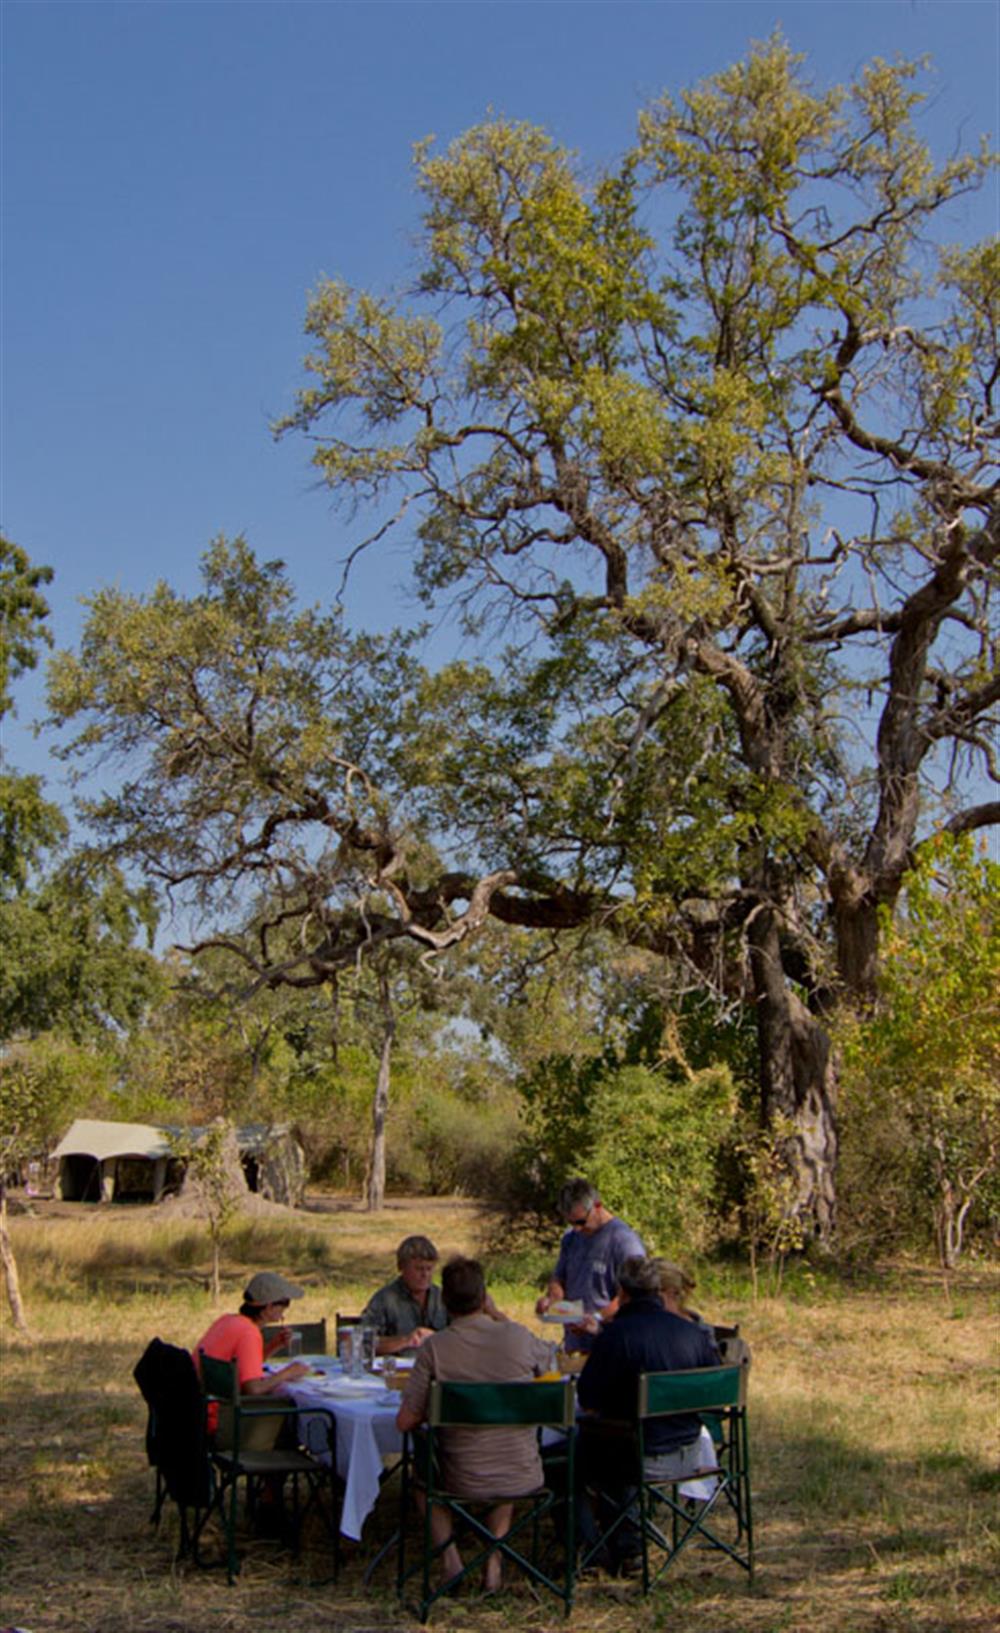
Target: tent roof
89,1138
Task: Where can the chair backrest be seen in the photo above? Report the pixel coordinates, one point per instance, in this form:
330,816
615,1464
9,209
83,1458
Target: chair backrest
733,1350
701,1389
313,1335
220,1379
494,1405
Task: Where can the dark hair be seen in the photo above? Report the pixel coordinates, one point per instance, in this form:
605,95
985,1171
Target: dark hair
639,1277
576,1191
415,1247
252,1312
463,1286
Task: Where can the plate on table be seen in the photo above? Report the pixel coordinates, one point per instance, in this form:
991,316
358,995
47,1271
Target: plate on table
355,1388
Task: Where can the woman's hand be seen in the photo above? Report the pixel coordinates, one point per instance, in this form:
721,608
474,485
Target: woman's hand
278,1341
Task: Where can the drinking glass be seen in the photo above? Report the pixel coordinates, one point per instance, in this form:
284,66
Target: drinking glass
369,1344
357,1352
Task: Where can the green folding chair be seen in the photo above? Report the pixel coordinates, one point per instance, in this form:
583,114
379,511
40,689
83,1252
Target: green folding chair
486,1407
235,1460
718,1396
668,1521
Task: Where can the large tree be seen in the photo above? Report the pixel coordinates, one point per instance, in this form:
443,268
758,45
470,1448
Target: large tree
715,432
707,443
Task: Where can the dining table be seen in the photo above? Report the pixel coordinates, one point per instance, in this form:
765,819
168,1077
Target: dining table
367,1438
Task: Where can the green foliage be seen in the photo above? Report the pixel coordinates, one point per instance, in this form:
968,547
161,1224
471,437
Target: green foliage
923,1071
449,1144
70,960
68,922
34,1106
23,610
213,1162
707,437
247,723
648,1137
770,1224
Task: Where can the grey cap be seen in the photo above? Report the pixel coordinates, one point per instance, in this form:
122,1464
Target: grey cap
267,1287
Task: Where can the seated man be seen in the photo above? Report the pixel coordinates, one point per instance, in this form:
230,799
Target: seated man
644,1337
477,1347
406,1311
591,1254
239,1338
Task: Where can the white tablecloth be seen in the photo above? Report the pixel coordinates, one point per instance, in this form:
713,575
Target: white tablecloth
365,1412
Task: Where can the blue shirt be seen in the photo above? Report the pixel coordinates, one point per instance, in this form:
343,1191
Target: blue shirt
588,1267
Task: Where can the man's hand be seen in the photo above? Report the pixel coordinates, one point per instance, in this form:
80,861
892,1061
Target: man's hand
542,1304
417,1336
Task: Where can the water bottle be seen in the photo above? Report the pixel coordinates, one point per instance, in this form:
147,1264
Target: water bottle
295,1342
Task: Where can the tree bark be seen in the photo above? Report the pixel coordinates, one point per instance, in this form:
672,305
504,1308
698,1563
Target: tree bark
798,1080
375,1178
10,1273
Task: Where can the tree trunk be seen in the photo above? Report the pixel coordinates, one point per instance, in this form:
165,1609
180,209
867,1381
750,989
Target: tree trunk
855,926
216,1278
375,1178
10,1272
798,1080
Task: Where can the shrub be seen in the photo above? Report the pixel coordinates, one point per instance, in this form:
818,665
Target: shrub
649,1137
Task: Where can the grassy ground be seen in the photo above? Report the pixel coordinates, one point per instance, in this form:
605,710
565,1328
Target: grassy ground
873,1425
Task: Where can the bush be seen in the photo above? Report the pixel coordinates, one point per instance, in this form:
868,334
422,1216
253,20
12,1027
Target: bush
650,1138
445,1144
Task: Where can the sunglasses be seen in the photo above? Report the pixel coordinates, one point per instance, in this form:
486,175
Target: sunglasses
578,1224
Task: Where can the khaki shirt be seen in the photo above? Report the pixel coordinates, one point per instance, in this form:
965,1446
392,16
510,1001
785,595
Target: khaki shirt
475,1349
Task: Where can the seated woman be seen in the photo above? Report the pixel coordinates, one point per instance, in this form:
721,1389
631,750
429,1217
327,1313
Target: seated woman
479,1346
239,1338
676,1287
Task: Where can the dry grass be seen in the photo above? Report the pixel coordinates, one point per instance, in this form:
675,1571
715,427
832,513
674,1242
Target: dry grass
874,1438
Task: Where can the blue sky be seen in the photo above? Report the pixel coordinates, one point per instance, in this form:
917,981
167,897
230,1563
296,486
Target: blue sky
176,177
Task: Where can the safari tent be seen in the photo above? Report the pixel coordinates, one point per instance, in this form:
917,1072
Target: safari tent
134,1162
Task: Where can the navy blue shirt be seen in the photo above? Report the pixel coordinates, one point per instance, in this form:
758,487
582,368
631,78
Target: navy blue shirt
644,1337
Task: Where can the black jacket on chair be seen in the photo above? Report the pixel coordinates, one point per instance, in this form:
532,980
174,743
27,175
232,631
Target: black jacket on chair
175,1435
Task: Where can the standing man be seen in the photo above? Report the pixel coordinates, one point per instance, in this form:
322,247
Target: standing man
591,1254
406,1311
